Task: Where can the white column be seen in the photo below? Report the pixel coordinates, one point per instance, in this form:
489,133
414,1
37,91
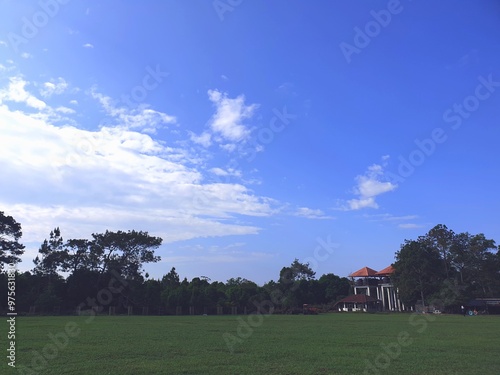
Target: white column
389,295
383,298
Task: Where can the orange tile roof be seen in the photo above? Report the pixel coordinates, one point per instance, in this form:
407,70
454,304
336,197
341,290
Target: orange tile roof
386,271
364,272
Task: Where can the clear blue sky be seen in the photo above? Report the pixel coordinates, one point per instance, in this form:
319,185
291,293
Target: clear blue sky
246,135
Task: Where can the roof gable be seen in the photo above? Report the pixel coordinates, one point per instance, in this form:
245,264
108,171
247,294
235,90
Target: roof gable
386,271
364,272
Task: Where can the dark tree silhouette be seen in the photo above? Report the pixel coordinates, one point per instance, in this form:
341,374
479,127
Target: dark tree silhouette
10,233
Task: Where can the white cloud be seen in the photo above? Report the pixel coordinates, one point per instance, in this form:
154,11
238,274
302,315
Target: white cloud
228,120
204,139
114,178
229,147
225,172
55,86
369,186
65,110
88,45
389,217
26,55
3,43
357,204
80,222
16,92
409,226
117,177
143,117
219,172
310,213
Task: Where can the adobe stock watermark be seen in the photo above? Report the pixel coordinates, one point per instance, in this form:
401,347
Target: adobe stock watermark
278,123
221,7
323,250
32,25
11,314
60,340
393,350
363,36
455,115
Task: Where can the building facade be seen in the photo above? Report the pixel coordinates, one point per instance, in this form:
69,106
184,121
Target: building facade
378,286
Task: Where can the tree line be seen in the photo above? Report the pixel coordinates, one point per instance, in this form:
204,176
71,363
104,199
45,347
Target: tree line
441,267
68,273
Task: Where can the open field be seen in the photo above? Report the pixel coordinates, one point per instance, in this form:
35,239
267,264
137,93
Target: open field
347,343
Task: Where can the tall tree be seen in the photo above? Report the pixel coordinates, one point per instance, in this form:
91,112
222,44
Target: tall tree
125,252
79,256
293,283
418,271
441,238
10,233
171,279
50,255
473,257
481,257
297,271
460,255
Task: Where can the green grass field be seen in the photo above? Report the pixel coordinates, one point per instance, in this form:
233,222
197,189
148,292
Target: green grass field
350,343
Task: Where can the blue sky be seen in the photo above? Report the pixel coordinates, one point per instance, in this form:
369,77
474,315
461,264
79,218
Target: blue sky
249,133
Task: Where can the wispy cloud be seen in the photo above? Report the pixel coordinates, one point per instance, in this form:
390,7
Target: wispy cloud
368,186
88,45
229,117
225,172
16,92
410,226
79,178
402,222
204,139
142,117
54,86
389,217
310,213
26,55
65,110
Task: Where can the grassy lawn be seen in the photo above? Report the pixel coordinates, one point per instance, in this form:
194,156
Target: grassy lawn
347,343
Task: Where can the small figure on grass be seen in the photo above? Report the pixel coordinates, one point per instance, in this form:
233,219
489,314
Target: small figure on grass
462,308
